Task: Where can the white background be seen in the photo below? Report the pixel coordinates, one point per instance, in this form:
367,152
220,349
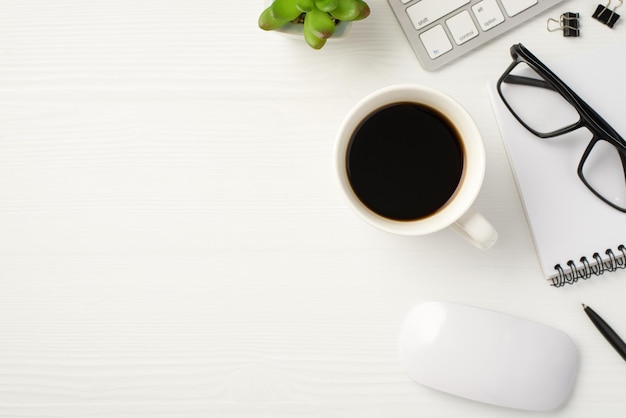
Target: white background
173,242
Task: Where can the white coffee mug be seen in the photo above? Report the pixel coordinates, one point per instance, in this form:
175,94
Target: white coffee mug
457,212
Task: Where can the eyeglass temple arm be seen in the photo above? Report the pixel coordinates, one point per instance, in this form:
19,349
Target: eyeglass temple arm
528,81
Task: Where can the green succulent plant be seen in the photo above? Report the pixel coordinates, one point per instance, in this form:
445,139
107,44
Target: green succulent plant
318,17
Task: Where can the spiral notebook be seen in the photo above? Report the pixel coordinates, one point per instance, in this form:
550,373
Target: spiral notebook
576,235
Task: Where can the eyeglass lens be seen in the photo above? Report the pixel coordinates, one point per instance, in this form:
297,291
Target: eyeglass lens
603,170
545,111
539,107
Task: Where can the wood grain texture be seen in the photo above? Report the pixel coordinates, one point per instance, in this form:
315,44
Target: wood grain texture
173,242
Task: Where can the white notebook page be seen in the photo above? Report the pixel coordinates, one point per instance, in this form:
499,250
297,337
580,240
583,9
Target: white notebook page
566,220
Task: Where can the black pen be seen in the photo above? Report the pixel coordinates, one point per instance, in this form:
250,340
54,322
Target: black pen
604,328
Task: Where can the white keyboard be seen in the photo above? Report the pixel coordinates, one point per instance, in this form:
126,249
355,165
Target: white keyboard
440,31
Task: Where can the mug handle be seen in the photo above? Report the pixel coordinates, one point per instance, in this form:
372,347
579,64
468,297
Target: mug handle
476,229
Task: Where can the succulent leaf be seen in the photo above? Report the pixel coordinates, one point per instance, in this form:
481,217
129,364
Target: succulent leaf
319,23
267,21
364,10
326,5
347,10
285,10
305,6
313,41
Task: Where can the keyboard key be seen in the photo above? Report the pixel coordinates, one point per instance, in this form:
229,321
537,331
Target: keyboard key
488,14
514,7
462,27
435,41
425,12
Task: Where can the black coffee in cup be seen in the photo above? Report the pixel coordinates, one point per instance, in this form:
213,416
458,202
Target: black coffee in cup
405,161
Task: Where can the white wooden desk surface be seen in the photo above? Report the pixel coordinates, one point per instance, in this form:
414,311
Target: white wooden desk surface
173,242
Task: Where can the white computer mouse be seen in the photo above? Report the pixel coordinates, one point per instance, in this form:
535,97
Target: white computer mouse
488,356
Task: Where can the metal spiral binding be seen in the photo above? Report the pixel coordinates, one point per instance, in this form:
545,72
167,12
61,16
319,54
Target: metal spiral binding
586,269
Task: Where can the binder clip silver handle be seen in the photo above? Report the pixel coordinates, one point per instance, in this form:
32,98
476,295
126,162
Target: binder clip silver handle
606,16
568,22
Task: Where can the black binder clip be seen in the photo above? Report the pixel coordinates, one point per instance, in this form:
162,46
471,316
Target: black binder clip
606,16
569,23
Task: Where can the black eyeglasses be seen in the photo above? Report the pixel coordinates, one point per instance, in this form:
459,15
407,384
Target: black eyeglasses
548,108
